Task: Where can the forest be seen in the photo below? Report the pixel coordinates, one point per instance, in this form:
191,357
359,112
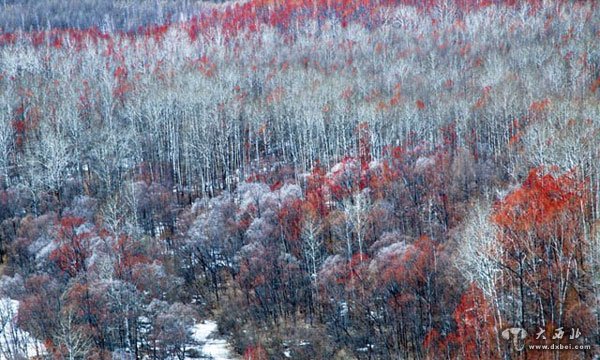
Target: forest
340,179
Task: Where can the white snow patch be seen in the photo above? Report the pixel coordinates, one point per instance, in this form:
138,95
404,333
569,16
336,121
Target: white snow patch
211,346
15,342
423,163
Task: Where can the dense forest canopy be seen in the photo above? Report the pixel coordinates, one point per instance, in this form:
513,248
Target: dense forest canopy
110,15
325,179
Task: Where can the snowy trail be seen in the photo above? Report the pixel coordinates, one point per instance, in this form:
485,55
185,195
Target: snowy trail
210,345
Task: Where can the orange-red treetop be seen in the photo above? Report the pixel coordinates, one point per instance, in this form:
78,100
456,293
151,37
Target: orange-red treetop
543,204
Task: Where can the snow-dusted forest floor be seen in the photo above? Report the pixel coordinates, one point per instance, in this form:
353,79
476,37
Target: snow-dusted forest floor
15,342
211,345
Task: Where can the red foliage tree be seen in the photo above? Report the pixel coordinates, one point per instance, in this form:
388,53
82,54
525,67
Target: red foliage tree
256,352
542,233
474,337
73,246
39,311
129,253
290,219
316,204
364,144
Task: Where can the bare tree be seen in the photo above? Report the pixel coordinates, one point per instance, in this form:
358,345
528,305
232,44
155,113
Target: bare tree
356,210
72,341
312,245
6,140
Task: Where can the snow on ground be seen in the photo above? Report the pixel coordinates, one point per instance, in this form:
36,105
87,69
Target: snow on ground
211,346
15,342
